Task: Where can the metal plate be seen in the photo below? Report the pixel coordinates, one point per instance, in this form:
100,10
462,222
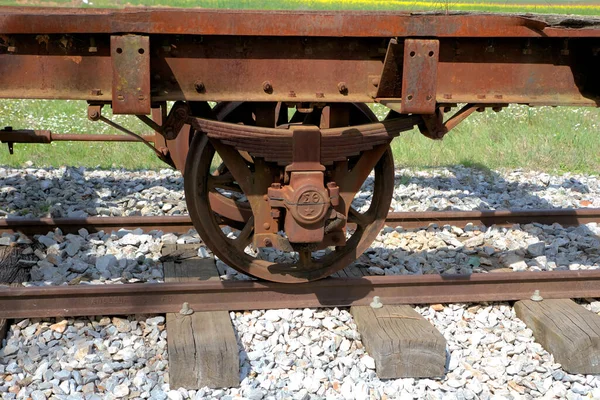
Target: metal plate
419,76
130,56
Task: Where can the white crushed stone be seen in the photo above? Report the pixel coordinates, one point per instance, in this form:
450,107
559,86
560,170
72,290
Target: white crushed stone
299,354
284,354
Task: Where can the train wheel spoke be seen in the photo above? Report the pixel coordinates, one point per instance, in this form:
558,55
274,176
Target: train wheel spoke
244,238
361,220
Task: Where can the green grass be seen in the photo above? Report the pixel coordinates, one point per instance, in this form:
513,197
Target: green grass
66,116
544,139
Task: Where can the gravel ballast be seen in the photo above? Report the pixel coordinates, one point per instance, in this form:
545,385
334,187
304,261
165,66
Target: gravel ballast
299,354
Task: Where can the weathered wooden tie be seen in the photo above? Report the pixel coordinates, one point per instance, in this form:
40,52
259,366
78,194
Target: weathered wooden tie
566,330
202,346
11,273
402,342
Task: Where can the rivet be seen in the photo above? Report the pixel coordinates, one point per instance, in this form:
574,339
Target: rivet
266,225
343,88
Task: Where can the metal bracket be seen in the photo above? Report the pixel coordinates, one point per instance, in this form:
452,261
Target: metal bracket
419,76
130,56
178,116
434,127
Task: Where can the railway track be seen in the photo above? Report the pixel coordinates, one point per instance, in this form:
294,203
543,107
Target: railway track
181,224
19,302
204,302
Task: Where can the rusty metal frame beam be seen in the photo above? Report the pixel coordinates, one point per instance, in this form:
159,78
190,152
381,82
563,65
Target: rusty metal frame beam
540,71
39,20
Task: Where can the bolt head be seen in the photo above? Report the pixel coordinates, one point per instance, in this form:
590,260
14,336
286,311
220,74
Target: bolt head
376,303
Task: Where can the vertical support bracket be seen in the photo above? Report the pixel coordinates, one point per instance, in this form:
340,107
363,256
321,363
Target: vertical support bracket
130,56
419,76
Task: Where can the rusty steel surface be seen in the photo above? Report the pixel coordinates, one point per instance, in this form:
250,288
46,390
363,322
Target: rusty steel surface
507,218
407,220
36,226
419,76
115,299
277,144
45,136
130,55
21,20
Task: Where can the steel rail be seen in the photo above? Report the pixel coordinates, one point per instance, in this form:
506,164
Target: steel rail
121,299
38,226
565,217
181,224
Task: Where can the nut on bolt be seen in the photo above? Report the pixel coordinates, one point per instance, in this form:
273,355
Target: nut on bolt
267,87
199,86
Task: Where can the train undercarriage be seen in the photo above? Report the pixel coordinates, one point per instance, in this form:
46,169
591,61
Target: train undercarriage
273,170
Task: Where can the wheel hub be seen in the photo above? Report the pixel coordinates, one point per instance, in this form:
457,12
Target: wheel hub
305,199
307,202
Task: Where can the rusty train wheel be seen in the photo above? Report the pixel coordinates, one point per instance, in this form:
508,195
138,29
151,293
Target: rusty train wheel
294,265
